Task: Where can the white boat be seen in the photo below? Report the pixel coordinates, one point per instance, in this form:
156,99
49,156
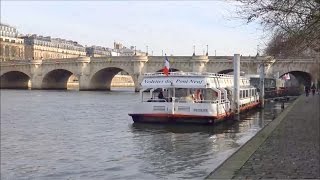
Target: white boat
190,97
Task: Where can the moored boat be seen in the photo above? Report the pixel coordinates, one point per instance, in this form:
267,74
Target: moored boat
189,97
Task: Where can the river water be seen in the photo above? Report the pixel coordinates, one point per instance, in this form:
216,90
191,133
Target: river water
89,135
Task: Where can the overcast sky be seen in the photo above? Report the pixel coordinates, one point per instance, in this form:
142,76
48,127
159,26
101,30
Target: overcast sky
171,26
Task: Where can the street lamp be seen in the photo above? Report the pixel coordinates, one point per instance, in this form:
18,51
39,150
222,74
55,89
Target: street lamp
135,50
147,51
194,50
207,51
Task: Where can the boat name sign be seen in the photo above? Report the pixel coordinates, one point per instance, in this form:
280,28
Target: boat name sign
173,81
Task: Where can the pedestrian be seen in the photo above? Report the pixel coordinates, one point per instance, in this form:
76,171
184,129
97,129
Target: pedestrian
313,89
307,90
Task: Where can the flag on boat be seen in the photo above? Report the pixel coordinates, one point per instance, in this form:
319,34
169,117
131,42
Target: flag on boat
166,66
286,76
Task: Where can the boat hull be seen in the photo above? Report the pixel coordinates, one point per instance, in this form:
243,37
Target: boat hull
181,118
175,118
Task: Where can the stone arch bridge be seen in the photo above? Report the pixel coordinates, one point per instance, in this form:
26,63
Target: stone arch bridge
96,73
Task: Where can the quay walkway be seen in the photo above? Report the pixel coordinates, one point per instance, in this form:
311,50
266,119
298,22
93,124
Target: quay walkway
287,148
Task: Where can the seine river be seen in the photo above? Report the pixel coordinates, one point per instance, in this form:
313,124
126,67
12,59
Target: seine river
89,135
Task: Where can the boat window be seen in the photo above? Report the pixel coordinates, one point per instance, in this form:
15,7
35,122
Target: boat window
211,95
247,93
181,92
222,95
241,96
145,95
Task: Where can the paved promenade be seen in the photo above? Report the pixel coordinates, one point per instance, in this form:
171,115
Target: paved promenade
288,148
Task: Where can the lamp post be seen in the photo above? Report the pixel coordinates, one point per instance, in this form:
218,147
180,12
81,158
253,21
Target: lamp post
262,76
194,50
147,51
135,50
207,50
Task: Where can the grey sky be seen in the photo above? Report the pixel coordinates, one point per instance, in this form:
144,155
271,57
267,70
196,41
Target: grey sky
172,26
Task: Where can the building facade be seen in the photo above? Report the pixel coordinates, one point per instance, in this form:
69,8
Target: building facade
118,50
98,51
40,47
11,46
124,51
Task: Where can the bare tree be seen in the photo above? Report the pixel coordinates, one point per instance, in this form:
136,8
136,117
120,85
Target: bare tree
294,23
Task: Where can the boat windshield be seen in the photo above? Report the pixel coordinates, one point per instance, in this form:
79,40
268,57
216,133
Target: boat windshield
181,95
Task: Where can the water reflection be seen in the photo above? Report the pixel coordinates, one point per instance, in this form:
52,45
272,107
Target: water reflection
174,148
89,135
181,150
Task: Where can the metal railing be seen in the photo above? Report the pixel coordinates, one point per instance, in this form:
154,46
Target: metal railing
189,74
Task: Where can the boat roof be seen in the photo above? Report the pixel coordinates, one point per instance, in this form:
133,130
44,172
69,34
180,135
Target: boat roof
190,80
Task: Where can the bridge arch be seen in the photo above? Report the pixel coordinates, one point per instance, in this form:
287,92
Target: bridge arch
101,80
14,80
56,79
298,78
283,67
24,70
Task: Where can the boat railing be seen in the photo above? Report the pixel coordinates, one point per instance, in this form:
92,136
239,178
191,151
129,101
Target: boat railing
188,74
183,100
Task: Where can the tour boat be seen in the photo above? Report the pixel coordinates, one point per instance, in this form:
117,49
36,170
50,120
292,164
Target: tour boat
190,97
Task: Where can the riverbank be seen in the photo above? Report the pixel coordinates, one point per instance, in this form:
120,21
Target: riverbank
288,147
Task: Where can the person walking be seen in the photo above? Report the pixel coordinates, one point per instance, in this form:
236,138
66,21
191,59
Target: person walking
313,89
307,90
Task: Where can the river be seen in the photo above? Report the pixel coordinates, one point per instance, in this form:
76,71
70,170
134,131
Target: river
89,135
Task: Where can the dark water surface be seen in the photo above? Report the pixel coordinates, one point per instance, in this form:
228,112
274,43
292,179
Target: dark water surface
89,135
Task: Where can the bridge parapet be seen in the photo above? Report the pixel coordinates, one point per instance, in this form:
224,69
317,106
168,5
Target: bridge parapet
297,60
111,59
83,59
244,59
65,60
172,59
139,58
203,59
15,62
